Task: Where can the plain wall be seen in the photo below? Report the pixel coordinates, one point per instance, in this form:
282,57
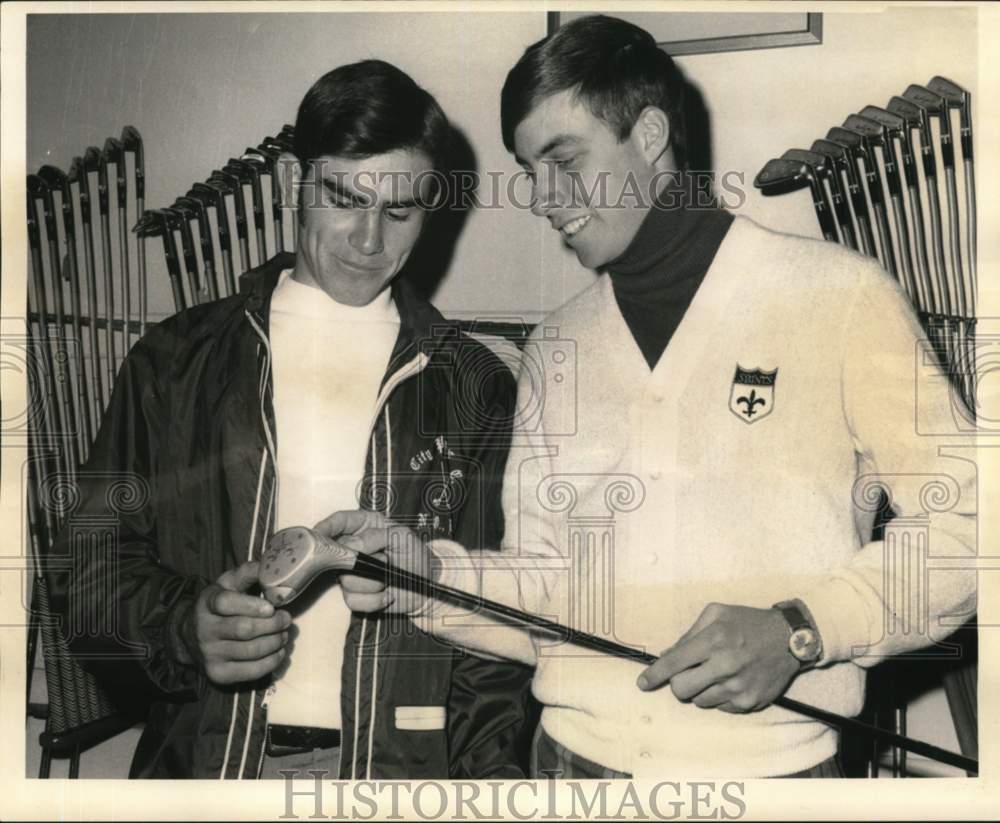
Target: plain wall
201,87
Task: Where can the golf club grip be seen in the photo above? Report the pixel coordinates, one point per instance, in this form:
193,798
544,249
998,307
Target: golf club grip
368,566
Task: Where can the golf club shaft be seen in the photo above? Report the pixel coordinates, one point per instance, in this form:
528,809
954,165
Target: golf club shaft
126,278
140,243
83,402
45,389
910,283
69,443
920,241
955,234
109,303
368,566
95,347
970,209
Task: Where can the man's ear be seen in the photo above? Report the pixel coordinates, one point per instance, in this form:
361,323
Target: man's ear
289,177
651,133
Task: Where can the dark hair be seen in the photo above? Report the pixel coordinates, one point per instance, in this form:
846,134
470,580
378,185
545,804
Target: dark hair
368,108
614,67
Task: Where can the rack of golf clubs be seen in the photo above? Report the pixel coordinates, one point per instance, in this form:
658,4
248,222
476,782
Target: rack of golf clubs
852,173
86,306
242,199
851,206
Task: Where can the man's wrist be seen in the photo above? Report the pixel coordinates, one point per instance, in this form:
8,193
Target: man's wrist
184,637
805,643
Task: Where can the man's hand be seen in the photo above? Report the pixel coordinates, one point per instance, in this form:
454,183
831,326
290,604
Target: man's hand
368,532
233,636
733,658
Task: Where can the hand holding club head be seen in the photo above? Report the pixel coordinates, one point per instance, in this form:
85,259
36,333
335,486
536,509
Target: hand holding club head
384,565
294,558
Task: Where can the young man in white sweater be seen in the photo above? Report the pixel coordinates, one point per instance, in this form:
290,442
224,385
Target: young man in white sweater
740,395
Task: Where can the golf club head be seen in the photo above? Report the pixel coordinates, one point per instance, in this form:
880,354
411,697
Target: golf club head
240,169
112,150
926,99
92,156
92,159
54,178
57,180
149,225
955,96
892,123
935,106
231,184
279,142
38,187
186,206
816,162
913,116
180,218
203,194
294,558
115,153
132,142
259,159
870,131
834,152
213,193
78,174
195,207
33,188
781,176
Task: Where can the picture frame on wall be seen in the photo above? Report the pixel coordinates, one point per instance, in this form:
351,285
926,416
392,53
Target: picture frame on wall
680,33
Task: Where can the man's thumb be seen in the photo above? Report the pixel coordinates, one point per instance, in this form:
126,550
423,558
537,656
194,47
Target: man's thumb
241,578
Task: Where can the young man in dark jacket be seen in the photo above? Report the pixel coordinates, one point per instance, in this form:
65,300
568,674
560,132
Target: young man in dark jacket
326,383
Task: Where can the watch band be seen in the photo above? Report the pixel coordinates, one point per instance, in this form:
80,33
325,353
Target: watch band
799,621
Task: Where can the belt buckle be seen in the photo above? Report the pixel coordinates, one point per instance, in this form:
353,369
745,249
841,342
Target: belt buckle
298,739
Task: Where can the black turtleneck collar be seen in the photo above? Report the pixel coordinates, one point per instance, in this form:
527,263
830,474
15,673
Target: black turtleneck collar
656,277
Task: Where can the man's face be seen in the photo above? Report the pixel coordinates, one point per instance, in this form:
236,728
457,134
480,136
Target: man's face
574,158
359,220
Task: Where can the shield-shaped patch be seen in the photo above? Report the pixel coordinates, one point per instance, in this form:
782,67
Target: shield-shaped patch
751,397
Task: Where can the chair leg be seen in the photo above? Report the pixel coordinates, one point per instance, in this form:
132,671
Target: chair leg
46,764
74,764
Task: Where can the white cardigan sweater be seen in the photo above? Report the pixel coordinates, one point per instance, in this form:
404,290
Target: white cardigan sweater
633,499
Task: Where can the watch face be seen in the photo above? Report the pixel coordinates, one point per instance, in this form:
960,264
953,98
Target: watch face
803,644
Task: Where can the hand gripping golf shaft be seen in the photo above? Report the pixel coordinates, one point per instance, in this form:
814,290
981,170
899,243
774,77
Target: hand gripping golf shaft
288,570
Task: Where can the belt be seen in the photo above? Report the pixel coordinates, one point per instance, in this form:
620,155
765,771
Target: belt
284,740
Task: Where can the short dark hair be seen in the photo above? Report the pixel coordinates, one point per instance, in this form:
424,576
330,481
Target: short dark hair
615,68
369,108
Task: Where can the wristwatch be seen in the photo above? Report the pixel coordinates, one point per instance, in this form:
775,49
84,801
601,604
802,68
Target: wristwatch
804,641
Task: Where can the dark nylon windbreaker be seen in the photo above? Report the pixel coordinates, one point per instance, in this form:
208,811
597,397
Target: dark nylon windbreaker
184,466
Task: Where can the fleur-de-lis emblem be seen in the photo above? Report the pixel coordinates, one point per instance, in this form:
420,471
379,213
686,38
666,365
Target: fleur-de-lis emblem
751,402
751,397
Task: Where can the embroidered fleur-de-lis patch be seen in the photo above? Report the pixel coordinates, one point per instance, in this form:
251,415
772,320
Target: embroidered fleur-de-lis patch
751,397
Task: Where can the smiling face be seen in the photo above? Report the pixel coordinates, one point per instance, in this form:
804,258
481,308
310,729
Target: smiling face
359,219
593,188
